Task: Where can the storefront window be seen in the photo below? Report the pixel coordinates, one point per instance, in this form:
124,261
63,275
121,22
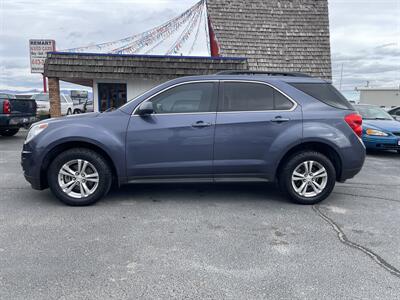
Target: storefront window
111,95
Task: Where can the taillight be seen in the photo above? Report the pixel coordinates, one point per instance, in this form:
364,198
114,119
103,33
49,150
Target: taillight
6,107
355,122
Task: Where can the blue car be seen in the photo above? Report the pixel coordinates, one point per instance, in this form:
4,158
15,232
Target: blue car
236,126
380,130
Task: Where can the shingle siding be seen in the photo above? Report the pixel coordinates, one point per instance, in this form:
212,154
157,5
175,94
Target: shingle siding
275,35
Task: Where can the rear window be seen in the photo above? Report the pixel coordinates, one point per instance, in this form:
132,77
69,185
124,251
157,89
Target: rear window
325,93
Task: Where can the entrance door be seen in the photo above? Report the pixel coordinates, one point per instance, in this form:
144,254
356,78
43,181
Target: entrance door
111,95
177,139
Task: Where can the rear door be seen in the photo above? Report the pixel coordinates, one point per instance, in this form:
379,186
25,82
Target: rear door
255,122
176,141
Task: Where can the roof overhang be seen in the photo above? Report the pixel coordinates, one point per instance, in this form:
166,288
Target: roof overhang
82,68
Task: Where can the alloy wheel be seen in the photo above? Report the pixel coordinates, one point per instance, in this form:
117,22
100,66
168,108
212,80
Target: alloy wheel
78,178
309,179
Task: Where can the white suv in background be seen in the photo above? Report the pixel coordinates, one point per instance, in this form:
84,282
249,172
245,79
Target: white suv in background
43,104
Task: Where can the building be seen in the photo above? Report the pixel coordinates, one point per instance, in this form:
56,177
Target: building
213,35
385,97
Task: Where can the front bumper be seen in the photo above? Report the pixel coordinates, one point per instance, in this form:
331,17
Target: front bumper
382,143
32,169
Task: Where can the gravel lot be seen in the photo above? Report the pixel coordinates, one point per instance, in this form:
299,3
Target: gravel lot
233,241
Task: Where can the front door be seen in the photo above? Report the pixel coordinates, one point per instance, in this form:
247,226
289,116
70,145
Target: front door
176,141
253,123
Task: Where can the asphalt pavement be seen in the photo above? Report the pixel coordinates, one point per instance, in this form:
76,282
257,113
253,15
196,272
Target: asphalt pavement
201,241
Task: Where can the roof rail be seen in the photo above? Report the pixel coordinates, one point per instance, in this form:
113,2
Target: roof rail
268,73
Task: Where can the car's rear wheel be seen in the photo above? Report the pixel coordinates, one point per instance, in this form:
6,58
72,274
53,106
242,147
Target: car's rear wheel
79,177
9,131
308,177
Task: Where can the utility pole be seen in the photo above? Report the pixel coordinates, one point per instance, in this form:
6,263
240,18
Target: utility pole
341,78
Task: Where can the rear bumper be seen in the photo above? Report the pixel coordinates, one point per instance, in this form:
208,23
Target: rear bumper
349,173
16,121
353,159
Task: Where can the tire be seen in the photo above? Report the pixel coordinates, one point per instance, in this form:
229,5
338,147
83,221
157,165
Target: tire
77,112
95,163
69,112
9,131
310,195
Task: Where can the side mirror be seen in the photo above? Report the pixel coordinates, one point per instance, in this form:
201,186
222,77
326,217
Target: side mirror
146,108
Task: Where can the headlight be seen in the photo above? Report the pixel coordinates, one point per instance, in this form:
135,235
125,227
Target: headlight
35,130
376,132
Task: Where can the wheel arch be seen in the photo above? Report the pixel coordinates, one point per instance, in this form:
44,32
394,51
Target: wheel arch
322,147
57,149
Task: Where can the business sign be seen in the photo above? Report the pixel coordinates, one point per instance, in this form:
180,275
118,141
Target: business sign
38,52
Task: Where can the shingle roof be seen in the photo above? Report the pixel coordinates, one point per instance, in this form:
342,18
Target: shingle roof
112,66
275,35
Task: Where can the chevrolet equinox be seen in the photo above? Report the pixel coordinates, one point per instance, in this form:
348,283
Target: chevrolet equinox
288,128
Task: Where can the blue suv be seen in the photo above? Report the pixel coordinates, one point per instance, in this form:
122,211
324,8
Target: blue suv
287,128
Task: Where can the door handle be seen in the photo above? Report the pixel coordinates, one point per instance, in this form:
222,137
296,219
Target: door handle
279,119
201,124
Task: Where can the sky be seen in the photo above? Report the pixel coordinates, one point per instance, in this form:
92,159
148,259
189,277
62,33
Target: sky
365,34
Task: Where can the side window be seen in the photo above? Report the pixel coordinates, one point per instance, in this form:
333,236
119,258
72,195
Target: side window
243,96
186,98
282,102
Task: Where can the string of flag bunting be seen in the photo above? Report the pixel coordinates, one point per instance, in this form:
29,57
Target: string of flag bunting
174,37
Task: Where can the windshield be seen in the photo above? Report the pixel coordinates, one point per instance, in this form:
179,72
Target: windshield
41,97
373,113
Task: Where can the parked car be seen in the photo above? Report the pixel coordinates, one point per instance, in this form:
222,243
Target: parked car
43,105
290,128
83,107
380,130
15,113
395,113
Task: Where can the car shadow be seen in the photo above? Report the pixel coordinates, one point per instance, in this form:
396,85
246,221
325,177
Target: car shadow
383,154
189,192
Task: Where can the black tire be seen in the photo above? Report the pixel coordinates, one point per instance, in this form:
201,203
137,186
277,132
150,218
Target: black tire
9,131
285,177
69,112
77,111
98,161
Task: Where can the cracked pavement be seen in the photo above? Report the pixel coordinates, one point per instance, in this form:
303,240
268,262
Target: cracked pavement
225,241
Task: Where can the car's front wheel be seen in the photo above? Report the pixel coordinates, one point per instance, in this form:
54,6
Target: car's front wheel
307,177
79,177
